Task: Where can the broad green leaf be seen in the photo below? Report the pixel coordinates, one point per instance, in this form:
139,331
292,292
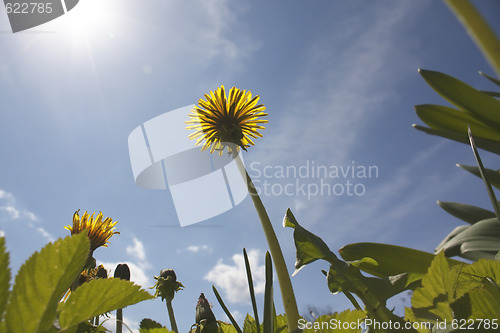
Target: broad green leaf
450,119
467,213
464,96
392,260
97,297
348,321
226,328
486,230
309,247
410,317
482,273
147,323
489,145
432,300
493,176
4,276
41,282
478,303
492,79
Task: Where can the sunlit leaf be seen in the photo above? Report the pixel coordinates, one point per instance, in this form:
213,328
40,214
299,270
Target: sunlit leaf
450,119
41,282
463,96
309,247
432,300
147,323
4,276
97,297
249,325
467,213
348,321
392,260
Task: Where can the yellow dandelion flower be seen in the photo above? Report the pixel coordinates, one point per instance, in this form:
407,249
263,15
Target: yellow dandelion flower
99,230
221,121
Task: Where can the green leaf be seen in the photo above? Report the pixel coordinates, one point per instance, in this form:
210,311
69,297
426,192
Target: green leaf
309,247
268,323
450,119
432,300
280,324
155,330
224,307
484,231
477,304
493,176
226,328
4,276
147,323
492,79
41,282
491,93
464,96
392,260
348,321
97,297
482,273
251,289
489,145
467,213
250,325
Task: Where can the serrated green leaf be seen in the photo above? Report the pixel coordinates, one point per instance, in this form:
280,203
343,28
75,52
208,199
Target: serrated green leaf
477,304
450,119
309,247
464,96
493,176
226,328
348,321
4,276
489,145
392,260
41,282
432,300
467,213
97,297
410,316
280,324
250,325
482,273
147,323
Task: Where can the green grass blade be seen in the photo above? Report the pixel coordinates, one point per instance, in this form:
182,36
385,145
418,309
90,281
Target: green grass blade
491,194
224,307
4,276
41,282
251,290
493,176
268,323
492,79
478,29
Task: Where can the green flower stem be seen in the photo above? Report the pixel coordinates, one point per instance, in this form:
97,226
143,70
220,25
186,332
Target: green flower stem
170,310
478,29
119,320
287,294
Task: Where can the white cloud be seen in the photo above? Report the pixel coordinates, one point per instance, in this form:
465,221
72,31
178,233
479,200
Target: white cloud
232,279
137,250
9,209
196,249
2,233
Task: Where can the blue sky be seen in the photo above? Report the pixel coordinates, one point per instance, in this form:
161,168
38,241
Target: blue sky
339,80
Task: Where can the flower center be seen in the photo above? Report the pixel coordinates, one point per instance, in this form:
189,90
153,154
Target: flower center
230,133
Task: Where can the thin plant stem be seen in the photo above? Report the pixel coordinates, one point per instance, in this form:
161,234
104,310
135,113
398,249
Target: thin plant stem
287,294
478,29
119,320
170,310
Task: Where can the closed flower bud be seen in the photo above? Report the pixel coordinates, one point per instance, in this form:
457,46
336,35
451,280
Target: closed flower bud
166,284
101,272
122,272
204,312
